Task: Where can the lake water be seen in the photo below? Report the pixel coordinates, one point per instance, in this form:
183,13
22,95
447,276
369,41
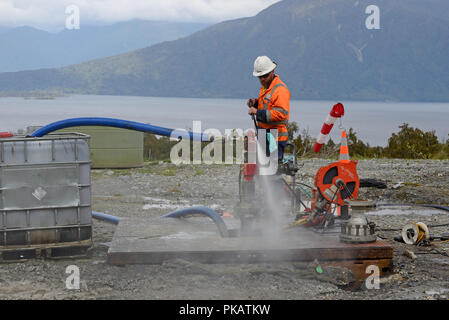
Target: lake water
374,122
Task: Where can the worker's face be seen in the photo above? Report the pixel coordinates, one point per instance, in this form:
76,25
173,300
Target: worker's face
265,80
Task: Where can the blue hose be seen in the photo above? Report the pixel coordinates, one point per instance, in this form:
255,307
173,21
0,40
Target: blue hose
105,217
203,210
108,122
176,214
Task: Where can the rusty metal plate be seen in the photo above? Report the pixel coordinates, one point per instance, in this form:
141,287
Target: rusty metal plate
155,240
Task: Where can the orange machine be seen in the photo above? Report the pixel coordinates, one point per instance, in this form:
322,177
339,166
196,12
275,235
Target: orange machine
338,181
333,185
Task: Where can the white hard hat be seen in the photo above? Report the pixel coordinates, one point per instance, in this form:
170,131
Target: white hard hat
263,65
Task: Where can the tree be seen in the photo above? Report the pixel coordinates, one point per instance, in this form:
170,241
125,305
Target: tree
160,147
411,143
292,128
299,145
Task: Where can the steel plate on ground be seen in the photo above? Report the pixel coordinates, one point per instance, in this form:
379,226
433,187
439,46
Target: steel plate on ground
155,240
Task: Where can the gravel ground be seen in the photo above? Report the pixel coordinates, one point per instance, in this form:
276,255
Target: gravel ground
160,188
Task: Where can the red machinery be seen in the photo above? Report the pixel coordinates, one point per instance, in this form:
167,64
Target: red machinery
334,184
338,182
6,134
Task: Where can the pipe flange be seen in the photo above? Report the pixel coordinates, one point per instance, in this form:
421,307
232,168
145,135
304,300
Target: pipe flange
358,239
356,231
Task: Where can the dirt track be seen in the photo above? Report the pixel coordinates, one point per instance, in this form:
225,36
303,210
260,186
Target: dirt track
160,188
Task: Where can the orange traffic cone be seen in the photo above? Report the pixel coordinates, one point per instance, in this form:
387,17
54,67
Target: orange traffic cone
344,150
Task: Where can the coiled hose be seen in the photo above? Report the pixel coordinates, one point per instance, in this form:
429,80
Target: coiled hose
176,214
205,211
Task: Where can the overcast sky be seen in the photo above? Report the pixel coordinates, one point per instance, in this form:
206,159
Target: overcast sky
51,14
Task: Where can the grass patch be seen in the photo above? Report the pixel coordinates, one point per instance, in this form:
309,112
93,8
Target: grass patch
146,170
412,184
401,195
121,172
441,155
198,172
167,172
95,174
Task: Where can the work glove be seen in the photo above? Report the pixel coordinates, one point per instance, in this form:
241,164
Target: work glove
253,103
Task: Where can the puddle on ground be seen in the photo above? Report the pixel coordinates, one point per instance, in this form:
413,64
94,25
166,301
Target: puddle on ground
166,201
392,211
440,261
162,206
158,203
189,236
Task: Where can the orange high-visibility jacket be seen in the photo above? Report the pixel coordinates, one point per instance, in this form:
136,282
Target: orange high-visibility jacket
276,101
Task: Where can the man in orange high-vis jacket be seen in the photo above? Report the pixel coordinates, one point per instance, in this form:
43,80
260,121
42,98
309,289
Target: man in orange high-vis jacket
272,108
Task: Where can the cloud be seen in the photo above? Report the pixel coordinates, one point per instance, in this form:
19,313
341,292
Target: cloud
50,14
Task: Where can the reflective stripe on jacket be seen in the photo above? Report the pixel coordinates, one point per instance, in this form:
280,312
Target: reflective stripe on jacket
276,103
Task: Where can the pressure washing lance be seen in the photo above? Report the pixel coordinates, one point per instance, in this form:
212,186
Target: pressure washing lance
251,105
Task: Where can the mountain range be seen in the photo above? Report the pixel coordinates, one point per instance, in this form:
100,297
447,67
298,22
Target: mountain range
25,48
323,49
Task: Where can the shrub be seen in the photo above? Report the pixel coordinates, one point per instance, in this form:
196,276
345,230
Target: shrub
155,148
412,143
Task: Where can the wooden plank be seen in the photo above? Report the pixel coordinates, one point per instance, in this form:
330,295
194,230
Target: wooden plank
62,250
359,267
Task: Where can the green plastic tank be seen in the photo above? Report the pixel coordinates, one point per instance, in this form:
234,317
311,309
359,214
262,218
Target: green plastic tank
113,147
